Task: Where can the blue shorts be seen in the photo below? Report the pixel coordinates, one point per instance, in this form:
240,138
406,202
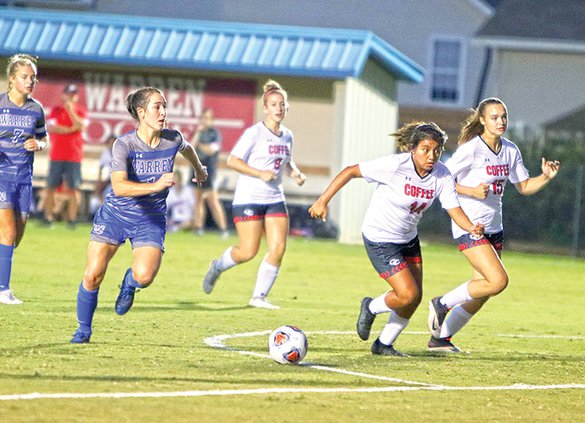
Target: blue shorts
469,241
108,228
247,212
17,197
61,171
389,258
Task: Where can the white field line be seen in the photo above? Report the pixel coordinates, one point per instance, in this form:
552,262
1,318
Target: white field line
217,342
511,335
270,391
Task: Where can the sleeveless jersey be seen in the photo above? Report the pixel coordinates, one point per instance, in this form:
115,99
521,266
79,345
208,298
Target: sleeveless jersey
143,163
17,124
402,196
262,149
475,162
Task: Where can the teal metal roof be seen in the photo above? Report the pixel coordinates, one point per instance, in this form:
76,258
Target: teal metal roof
198,45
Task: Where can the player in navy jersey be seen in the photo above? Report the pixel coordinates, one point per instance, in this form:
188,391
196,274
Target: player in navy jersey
261,156
406,186
22,133
481,166
135,209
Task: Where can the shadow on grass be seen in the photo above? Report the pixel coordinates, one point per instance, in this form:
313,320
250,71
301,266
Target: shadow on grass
185,305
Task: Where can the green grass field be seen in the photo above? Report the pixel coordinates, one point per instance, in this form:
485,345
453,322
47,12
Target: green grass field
526,361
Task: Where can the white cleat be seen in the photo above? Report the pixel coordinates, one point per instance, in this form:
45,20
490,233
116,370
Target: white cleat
260,302
7,297
211,277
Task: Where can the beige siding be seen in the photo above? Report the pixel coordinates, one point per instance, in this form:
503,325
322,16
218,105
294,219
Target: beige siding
365,118
538,87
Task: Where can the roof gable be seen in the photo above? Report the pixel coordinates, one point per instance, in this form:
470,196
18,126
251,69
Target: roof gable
201,45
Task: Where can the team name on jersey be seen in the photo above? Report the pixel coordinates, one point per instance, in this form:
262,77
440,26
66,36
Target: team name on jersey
498,170
418,192
279,149
149,166
17,121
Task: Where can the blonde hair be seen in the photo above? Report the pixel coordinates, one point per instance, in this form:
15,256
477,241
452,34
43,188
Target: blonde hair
271,86
18,60
411,134
472,126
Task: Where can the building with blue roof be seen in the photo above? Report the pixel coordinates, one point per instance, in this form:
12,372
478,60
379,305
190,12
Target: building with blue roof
342,84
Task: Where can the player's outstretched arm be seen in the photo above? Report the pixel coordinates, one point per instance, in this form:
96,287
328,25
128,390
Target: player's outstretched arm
532,185
319,208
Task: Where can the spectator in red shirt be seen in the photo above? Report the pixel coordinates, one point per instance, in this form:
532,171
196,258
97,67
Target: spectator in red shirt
66,123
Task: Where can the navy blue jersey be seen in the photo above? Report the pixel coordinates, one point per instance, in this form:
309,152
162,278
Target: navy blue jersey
17,124
143,163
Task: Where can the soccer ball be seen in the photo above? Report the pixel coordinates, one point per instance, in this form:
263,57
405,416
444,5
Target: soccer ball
287,345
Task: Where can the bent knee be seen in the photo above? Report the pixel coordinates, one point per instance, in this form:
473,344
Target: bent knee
499,284
408,297
92,280
144,277
243,255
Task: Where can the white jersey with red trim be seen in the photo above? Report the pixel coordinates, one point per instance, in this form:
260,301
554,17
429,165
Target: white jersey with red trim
475,162
402,196
262,149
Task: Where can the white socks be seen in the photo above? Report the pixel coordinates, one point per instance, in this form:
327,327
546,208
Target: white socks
457,296
226,261
267,274
393,328
378,305
456,319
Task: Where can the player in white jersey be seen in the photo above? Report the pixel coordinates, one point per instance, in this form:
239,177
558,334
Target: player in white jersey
22,133
406,186
481,166
262,155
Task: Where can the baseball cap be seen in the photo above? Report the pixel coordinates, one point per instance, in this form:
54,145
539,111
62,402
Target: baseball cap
70,89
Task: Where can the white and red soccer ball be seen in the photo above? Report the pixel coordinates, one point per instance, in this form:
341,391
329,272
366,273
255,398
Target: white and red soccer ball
287,345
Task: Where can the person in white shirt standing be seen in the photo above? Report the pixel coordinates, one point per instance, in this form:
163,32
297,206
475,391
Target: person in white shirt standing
406,186
261,156
481,166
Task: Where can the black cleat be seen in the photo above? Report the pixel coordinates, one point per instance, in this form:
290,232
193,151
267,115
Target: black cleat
365,319
442,345
437,314
381,349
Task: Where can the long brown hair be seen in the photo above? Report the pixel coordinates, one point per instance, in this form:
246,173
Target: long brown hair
409,135
472,127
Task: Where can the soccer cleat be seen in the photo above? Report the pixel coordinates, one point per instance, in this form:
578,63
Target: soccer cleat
80,337
260,302
125,298
437,314
365,319
442,345
211,277
381,349
7,297
224,235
